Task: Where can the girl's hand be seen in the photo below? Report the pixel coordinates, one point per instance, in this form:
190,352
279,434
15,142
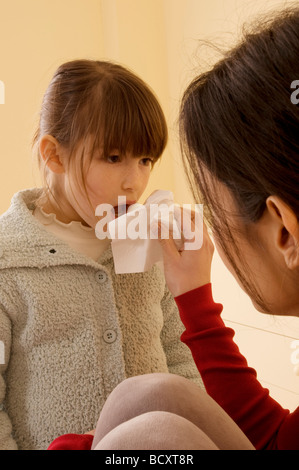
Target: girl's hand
188,269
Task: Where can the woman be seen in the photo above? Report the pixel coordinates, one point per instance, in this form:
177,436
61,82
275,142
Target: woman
239,133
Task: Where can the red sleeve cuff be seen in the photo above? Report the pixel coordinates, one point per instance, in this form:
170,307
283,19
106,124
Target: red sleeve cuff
198,310
72,442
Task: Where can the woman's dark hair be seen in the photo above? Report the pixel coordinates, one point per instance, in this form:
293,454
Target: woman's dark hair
239,126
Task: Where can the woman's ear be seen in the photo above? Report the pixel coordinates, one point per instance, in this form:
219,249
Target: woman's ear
285,224
50,150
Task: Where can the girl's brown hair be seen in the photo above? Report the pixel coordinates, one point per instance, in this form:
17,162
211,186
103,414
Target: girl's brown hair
239,126
104,102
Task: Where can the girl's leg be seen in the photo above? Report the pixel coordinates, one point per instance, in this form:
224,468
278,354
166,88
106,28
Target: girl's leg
156,430
172,394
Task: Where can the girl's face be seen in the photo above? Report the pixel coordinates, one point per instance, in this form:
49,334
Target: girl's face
77,196
106,179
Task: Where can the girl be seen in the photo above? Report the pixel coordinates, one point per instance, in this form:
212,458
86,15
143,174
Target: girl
71,328
239,130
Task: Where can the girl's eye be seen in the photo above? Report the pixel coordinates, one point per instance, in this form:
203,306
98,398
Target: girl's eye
146,161
113,158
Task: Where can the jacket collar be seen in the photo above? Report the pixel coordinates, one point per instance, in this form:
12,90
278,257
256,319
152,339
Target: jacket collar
24,242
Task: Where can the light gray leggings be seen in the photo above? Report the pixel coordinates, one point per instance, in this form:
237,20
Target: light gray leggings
165,411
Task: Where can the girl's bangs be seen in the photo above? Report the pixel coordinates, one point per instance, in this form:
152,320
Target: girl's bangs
129,124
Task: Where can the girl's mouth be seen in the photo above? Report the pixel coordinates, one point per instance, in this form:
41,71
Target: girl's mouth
122,209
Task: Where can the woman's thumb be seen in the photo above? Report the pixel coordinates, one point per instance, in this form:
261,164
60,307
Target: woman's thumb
167,243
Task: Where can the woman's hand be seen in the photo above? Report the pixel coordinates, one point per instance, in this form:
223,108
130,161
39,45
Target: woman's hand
185,270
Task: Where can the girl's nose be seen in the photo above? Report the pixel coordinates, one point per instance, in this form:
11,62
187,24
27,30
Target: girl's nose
131,177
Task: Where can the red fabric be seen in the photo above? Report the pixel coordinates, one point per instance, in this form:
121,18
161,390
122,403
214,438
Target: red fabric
72,442
228,378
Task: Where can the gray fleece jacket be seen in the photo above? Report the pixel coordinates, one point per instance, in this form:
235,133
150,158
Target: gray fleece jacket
71,330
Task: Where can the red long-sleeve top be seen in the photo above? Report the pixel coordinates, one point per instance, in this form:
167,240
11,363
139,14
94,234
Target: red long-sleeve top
227,377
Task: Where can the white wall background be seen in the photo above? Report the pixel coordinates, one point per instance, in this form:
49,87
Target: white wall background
159,40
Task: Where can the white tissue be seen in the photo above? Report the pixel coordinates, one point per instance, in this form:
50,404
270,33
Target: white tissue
140,222
134,235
